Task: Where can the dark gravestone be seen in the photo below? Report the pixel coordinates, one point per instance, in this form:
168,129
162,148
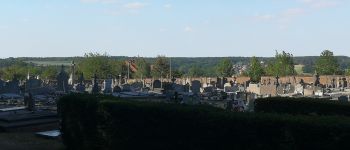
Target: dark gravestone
13,86
178,88
316,79
208,89
219,83
187,87
117,89
157,84
196,86
95,87
80,86
345,83
107,86
62,80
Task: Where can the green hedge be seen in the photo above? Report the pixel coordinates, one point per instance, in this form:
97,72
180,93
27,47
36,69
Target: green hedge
94,122
304,106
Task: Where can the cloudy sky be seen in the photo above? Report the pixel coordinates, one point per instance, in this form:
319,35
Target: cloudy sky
173,27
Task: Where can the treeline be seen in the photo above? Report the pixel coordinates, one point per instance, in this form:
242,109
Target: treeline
106,66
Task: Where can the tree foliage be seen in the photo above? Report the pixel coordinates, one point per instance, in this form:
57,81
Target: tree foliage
143,68
256,70
102,65
195,71
327,64
224,68
281,65
49,72
161,67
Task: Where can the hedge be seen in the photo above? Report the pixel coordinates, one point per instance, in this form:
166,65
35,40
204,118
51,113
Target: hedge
304,106
93,122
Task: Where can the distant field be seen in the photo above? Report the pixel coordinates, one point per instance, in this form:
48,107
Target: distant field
50,63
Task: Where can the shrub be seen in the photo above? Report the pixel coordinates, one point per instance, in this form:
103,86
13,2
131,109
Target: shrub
108,123
304,106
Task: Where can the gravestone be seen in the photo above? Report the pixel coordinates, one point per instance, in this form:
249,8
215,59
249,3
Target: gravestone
107,86
196,86
208,89
95,87
117,89
80,86
157,84
187,87
179,88
13,86
29,102
345,83
218,82
62,80
316,79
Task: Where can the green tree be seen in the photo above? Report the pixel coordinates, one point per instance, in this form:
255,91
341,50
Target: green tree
281,65
161,67
347,72
143,68
195,71
101,64
327,64
224,68
177,73
49,72
256,70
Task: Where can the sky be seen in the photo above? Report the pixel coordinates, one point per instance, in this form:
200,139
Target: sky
175,28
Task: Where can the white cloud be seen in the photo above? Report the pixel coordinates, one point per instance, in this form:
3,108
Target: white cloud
168,6
134,5
188,29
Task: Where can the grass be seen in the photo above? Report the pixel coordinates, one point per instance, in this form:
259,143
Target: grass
28,141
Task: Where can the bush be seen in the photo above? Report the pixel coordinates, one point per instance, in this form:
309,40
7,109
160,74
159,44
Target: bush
304,106
108,123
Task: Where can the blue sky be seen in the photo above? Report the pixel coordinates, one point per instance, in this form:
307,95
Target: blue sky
190,28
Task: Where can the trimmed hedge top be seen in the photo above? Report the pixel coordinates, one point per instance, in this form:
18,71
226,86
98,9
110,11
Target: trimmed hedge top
99,122
304,106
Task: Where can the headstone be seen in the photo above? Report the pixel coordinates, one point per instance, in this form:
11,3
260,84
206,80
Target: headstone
13,86
157,84
107,86
208,89
218,82
277,81
195,87
29,102
95,87
117,89
187,87
345,83
80,86
62,81
178,88
316,79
